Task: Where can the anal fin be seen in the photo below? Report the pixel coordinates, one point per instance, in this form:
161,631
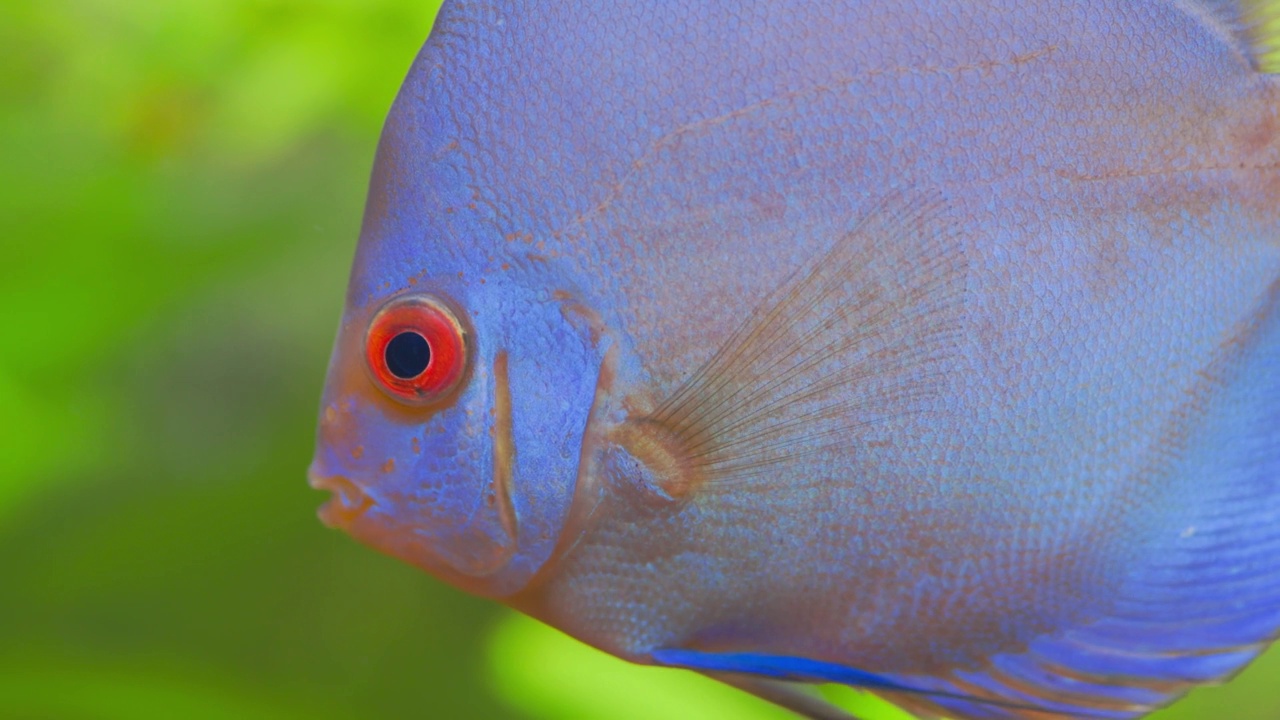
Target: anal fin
772,677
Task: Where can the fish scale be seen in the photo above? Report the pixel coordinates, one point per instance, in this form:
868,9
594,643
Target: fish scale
929,347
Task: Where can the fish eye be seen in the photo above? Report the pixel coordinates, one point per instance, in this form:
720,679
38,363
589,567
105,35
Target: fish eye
408,355
416,350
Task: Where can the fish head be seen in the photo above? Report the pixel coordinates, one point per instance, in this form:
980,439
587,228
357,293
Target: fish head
460,385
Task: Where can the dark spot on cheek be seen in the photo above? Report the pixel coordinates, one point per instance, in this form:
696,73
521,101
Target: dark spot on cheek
389,466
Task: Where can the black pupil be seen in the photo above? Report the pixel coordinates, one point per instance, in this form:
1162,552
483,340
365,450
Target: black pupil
408,355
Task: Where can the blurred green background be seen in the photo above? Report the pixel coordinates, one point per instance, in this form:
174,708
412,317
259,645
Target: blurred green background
182,191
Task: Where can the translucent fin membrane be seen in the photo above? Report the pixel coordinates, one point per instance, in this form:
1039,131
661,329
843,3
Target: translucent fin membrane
877,312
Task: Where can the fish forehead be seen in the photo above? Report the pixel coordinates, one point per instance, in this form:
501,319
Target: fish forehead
675,161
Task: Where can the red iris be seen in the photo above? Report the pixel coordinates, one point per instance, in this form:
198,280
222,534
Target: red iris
416,349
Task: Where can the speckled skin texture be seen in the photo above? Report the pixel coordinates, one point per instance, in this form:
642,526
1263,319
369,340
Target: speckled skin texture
1049,364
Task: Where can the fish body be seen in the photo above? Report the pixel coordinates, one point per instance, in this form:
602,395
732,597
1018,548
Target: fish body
931,347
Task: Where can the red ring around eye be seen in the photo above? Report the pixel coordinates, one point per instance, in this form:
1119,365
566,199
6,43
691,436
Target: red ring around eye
416,350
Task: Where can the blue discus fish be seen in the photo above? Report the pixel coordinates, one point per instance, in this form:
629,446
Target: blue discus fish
927,346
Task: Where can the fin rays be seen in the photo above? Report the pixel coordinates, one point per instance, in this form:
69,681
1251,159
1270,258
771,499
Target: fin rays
851,340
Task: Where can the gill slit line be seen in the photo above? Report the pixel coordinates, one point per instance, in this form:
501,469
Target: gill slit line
608,367
504,452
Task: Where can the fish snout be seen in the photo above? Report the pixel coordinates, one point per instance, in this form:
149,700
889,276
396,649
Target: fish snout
348,502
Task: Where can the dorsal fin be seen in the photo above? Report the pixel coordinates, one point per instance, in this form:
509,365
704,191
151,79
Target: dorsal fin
1252,25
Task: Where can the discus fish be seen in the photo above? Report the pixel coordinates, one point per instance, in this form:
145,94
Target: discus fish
926,346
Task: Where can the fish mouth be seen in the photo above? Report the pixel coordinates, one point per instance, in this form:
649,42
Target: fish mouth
346,505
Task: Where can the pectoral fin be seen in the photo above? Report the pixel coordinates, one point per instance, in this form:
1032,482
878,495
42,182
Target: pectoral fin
858,338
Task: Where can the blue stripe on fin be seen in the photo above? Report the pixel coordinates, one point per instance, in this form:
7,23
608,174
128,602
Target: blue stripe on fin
798,669
774,666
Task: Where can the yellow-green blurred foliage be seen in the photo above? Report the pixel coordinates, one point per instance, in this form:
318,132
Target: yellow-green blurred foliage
181,194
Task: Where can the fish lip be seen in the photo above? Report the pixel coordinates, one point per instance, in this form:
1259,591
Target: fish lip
348,502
